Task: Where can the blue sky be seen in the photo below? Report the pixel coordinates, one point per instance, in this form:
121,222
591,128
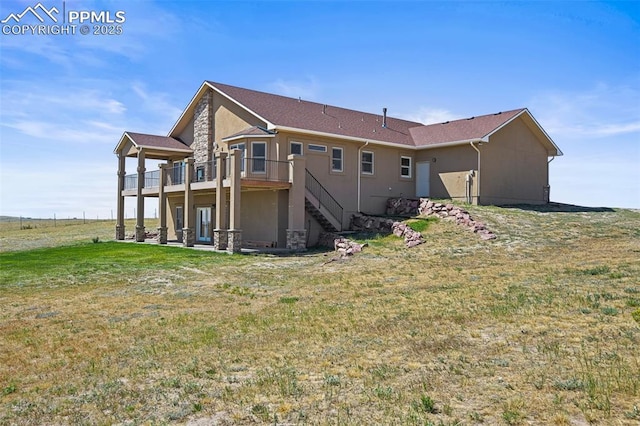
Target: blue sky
66,99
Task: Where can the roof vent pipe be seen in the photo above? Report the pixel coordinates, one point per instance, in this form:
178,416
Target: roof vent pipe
384,117
324,108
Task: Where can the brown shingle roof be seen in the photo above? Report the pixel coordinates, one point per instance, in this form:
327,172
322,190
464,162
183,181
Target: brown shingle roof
159,142
300,114
282,111
466,129
251,131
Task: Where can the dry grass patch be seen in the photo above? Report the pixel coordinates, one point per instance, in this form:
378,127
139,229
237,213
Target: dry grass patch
535,327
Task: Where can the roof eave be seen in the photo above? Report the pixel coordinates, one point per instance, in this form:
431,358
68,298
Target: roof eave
184,111
121,142
159,148
235,138
528,113
343,137
250,111
559,152
454,143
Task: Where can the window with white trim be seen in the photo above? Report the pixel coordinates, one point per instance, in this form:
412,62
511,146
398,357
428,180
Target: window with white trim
336,159
367,163
405,167
295,148
241,147
258,157
317,148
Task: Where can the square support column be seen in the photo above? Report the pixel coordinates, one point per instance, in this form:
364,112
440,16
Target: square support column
296,231
120,204
162,205
189,230
220,237
140,234
234,240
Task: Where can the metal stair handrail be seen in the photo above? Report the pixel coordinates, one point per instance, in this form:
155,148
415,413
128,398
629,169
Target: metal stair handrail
324,197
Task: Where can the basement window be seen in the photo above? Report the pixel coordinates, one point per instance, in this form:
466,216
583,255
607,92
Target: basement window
405,167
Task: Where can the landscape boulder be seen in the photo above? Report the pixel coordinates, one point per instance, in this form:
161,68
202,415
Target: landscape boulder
411,238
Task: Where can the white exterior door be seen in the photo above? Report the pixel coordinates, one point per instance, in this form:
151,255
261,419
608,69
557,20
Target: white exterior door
422,178
203,224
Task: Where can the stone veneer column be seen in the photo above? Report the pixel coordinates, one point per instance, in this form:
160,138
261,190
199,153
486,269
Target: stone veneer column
162,205
203,128
140,234
296,232
297,239
234,236
120,205
189,231
220,235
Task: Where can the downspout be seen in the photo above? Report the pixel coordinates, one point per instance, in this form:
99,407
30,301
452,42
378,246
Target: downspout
547,188
360,170
478,185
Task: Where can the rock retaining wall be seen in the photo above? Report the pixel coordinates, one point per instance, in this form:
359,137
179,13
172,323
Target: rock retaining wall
402,206
457,214
360,222
383,225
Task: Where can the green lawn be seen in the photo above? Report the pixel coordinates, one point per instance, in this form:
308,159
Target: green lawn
93,262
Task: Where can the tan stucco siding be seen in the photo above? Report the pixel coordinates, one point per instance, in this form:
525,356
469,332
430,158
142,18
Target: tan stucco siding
229,118
173,201
186,135
341,185
449,168
514,167
375,189
259,216
385,182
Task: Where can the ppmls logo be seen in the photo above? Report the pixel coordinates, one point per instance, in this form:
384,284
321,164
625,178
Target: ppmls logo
34,11
69,22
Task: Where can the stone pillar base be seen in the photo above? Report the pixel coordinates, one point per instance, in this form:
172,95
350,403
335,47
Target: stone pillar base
234,240
119,232
140,234
188,237
220,239
162,235
297,239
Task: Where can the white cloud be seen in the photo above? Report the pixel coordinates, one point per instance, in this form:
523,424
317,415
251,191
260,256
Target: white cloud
306,89
427,115
85,114
598,129
599,112
82,132
70,134
63,116
157,103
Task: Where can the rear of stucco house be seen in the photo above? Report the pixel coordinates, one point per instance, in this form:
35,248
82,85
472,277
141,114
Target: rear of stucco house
242,167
